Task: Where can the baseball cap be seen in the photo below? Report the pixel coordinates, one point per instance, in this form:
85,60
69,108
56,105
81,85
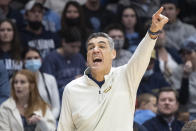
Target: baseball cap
31,4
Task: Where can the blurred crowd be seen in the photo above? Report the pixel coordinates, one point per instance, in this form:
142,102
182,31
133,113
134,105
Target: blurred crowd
43,48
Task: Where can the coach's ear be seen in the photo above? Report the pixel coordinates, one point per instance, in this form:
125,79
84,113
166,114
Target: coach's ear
113,54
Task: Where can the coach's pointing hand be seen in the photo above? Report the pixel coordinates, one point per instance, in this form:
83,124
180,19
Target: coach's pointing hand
158,21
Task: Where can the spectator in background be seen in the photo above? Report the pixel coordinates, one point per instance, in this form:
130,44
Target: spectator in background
167,106
66,63
58,5
146,108
152,81
6,11
176,30
145,8
114,6
130,21
4,83
188,87
168,62
25,109
34,34
73,16
116,32
51,20
46,83
10,48
97,17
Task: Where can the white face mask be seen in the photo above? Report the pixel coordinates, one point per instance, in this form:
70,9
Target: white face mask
148,73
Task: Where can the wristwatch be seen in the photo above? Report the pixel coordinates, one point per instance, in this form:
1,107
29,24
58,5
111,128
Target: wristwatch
154,33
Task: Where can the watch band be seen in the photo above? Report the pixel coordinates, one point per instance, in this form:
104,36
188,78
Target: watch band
154,33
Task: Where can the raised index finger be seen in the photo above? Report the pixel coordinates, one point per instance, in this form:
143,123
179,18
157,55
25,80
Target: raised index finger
158,12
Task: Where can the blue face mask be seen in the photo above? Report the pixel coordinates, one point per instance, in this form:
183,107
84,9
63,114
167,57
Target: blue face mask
33,64
148,73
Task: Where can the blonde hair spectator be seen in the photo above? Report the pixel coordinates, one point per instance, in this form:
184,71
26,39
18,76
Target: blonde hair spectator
25,110
35,102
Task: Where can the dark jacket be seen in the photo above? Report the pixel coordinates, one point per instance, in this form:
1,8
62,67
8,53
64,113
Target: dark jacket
138,127
159,124
45,42
153,83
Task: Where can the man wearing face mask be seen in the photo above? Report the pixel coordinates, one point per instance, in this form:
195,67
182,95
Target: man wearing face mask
152,81
51,20
116,32
34,34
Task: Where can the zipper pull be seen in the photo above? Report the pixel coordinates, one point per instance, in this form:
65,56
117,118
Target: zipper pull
100,96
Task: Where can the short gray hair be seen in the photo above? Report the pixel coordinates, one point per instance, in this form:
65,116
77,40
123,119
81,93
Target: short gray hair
101,34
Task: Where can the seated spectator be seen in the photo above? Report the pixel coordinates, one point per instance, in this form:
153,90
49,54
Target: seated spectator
73,17
46,83
4,83
145,8
176,30
97,17
66,63
168,62
146,108
34,34
10,48
58,5
132,27
167,103
114,6
152,81
116,32
189,126
6,11
188,87
51,20
25,110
